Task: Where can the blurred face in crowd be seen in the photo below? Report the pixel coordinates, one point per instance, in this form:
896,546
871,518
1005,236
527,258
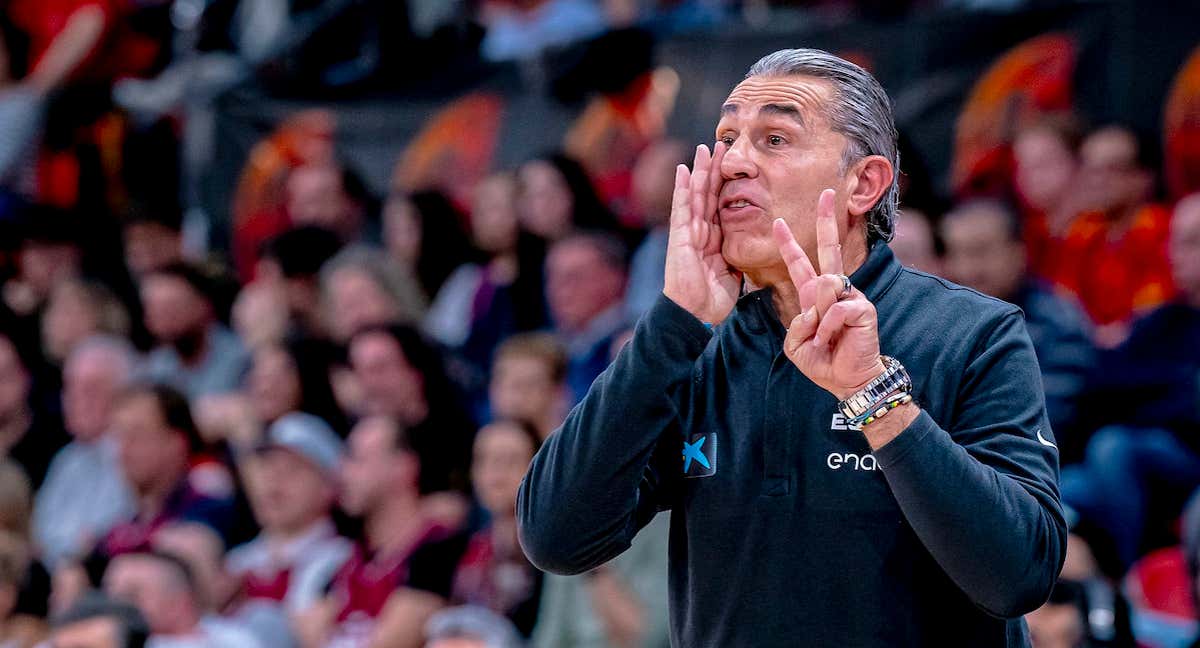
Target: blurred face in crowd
391,386
523,388
43,264
1045,168
274,383
374,469
544,203
150,246
174,310
498,462
70,317
654,180
913,243
1109,176
316,196
1185,249
580,284
981,252
290,492
1056,626
92,378
153,587
402,229
152,454
355,301
782,154
96,632
494,214
260,314
14,382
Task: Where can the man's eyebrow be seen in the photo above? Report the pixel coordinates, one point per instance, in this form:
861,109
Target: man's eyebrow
786,110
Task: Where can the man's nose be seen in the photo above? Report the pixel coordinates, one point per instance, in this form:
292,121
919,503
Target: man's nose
737,162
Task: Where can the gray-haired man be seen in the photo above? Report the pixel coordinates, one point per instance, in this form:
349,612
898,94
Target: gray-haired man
821,494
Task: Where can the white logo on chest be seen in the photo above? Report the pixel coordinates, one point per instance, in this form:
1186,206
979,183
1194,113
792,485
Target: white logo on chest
851,461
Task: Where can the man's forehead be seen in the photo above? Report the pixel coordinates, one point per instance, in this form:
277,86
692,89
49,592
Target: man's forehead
804,94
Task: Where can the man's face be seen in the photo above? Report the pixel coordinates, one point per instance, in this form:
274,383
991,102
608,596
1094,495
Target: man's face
149,449
580,284
90,383
96,632
373,468
1109,177
315,196
1045,168
500,457
14,380
654,180
391,386
913,242
354,301
782,154
290,492
173,308
1185,249
981,254
522,388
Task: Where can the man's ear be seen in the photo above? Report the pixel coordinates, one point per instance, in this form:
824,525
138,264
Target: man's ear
871,178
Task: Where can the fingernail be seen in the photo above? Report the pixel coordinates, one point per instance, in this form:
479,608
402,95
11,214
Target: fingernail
808,316
817,341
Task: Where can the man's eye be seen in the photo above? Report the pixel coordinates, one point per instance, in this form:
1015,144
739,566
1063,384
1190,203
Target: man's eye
728,139
774,140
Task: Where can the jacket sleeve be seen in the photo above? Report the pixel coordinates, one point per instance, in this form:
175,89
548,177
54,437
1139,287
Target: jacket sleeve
601,477
983,495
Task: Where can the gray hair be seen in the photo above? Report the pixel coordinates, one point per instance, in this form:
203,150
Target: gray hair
861,111
118,354
397,282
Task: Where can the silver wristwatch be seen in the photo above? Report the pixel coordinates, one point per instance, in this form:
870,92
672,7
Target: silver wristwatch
893,379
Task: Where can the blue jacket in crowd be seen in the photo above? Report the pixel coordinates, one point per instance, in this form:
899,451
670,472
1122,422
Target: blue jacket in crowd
786,530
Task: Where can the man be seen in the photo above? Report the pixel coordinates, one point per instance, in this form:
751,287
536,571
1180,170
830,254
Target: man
85,493
153,238
984,251
292,493
194,352
914,245
402,571
653,178
96,621
163,589
796,519
585,286
529,382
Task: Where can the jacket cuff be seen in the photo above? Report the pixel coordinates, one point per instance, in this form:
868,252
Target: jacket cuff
666,314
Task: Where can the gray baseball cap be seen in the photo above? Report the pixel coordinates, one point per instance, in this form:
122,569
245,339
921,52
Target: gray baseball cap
307,436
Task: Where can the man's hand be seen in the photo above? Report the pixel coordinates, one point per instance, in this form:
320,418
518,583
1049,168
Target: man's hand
834,340
697,277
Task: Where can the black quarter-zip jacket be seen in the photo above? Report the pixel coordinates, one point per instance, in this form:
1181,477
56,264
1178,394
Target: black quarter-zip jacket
786,530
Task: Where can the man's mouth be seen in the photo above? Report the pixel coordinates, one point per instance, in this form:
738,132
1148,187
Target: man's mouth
739,203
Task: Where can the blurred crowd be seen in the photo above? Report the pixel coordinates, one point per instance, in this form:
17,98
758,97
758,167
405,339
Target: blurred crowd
315,437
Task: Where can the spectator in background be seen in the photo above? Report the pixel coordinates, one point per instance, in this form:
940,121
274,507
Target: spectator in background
470,626
402,377
423,232
85,493
260,315
295,377
521,29
48,253
401,571
193,351
1143,465
1045,161
158,444
331,196
292,494
361,287
653,185
153,239
984,251
1113,256
23,581
529,382
97,621
77,309
163,589
292,261
585,285
26,435
914,243
494,573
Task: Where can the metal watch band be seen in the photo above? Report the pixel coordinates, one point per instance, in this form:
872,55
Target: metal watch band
893,379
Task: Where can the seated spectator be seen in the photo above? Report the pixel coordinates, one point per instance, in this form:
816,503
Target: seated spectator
1113,256
424,233
529,382
585,285
295,377
1045,163
361,287
1145,391
27,436
331,196
17,629
33,584
48,252
402,377
97,621
494,572
292,493
260,315
470,626
984,251
76,310
653,185
153,239
163,589
402,569
158,443
292,261
85,493
194,351
914,243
